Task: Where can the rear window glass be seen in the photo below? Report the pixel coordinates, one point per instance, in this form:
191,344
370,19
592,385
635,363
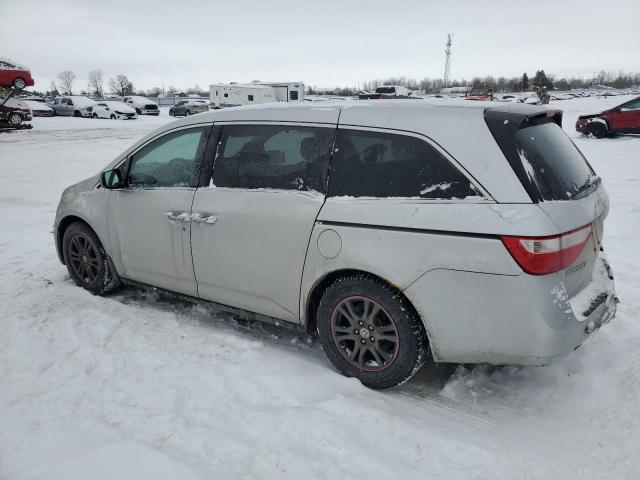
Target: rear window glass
386,90
375,164
553,163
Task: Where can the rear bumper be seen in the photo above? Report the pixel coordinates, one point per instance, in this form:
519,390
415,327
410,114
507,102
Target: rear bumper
499,319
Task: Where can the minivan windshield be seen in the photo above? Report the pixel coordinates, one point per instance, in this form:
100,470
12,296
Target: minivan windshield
553,163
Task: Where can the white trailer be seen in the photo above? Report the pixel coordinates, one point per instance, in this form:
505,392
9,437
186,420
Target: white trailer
286,91
235,94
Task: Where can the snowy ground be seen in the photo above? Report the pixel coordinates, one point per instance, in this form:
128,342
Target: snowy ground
134,386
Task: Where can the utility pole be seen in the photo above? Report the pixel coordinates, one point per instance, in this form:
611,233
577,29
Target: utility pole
447,63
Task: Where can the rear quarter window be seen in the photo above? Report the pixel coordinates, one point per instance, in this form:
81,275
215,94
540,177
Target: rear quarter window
376,164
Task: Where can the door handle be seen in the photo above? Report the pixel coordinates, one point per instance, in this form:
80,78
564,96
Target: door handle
178,217
204,218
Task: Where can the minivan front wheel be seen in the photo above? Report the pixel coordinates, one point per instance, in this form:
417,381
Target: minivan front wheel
86,259
368,330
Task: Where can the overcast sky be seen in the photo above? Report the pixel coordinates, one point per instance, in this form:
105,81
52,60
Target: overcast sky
323,43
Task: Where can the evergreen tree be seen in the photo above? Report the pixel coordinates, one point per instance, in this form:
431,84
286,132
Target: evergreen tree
524,82
541,79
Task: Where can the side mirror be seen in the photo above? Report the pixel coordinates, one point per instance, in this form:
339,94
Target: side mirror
111,179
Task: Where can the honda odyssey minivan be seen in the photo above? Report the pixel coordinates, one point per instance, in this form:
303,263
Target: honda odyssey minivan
399,231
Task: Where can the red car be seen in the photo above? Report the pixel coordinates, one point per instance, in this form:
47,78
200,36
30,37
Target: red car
13,74
624,118
13,113
480,95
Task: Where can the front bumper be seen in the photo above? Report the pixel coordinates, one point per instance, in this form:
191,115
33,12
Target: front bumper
473,317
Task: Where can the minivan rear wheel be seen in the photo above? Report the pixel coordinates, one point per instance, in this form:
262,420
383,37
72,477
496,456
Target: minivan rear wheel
86,259
368,330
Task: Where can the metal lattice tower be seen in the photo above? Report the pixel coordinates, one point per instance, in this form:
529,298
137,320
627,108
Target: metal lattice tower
447,62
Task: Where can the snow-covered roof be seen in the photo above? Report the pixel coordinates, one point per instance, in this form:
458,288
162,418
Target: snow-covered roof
81,101
16,64
241,85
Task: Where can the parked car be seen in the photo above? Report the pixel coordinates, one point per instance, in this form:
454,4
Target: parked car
624,118
13,113
39,109
76,106
406,238
12,74
387,92
479,94
142,105
187,107
114,111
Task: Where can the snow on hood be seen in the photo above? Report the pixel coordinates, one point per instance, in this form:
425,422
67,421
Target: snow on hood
37,106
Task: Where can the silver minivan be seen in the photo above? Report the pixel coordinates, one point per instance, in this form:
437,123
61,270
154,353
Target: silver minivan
399,231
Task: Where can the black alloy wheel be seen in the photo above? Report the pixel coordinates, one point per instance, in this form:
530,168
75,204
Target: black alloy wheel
86,259
365,333
369,330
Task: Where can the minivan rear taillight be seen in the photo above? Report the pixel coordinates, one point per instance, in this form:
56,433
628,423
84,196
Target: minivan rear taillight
543,255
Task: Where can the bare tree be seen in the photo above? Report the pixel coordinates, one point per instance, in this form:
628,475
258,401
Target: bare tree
66,82
120,85
154,92
95,82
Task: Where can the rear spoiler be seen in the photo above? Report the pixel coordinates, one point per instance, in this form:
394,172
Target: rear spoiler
504,122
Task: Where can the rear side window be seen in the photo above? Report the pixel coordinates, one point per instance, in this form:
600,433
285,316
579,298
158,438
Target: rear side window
374,164
553,164
273,156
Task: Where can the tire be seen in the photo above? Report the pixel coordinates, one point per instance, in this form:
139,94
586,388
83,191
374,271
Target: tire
112,117
598,130
86,260
171,113
95,115
138,111
15,119
76,113
19,83
379,364
187,113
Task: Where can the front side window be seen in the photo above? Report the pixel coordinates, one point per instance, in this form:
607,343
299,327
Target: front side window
375,164
167,161
273,156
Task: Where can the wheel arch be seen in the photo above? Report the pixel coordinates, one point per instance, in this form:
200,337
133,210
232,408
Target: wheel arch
62,227
321,285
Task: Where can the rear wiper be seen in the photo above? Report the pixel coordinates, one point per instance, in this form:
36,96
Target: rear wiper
591,183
